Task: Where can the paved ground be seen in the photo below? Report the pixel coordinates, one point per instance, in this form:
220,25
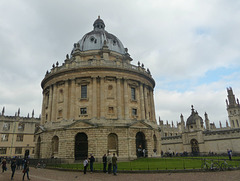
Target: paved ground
55,175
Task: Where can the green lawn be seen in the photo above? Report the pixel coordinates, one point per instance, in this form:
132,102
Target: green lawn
157,163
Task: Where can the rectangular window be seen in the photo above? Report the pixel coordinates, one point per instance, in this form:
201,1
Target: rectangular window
133,93
21,127
3,150
110,110
18,150
6,126
233,123
83,110
19,137
83,91
134,112
4,137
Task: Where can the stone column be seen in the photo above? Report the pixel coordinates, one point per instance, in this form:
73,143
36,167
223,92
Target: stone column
126,100
72,99
94,97
102,98
146,102
65,99
153,107
50,103
119,99
43,108
142,101
54,102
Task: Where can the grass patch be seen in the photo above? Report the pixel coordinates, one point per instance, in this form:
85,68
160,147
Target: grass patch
177,163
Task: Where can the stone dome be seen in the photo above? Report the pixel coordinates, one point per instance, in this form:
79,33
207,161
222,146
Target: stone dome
194,117
95,39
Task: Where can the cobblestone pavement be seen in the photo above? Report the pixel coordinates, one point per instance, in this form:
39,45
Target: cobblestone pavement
54,175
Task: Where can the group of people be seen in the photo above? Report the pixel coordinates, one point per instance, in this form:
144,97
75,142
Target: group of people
14,166
109,163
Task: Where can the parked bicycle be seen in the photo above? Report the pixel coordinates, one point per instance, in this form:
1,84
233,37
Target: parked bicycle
226,166
40,164
210,165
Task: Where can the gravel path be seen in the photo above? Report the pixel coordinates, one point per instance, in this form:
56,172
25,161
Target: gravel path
55,175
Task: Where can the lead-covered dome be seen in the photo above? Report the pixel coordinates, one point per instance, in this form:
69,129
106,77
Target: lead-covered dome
95,39
192,119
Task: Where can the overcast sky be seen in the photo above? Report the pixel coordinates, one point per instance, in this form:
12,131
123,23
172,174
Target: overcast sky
192,49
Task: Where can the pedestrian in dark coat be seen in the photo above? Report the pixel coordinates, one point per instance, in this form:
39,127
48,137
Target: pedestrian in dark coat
4,165
13,167
26,169
104,160
114,163
92,160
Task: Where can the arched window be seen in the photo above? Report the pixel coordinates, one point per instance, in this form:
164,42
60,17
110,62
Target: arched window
38,147
55,145
237,123
233,123
155,143
113,143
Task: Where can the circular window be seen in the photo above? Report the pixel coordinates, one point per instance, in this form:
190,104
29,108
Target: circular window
92,39
110,87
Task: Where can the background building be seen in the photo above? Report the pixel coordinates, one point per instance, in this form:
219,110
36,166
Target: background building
196,138
98,102
17,134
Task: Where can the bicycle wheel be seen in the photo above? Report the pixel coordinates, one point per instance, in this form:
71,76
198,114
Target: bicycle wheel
223,166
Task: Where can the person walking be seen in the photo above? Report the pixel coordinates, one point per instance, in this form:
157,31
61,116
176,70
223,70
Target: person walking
92,160
104,160
229,152
109,162
114,163
13,167
26,169
4,165
85,164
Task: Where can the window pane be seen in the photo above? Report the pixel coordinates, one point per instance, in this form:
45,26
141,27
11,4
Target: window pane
84,91
133,96
83,110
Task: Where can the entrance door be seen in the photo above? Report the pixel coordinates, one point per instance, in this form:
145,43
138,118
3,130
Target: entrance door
140,144
195,147
81,146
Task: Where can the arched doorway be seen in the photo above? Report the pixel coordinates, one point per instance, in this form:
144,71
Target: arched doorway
38,147
55,145
195,147
81,146
140,144
113,143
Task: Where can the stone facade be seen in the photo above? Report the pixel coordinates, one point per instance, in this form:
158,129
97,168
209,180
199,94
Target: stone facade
193,137
98,102
17,135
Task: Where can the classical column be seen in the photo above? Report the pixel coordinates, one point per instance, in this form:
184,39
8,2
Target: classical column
54,103
146,102
141,101
126,100
43,109
94,97
72,99
65,99
50,103
153,106
119,99
102,98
